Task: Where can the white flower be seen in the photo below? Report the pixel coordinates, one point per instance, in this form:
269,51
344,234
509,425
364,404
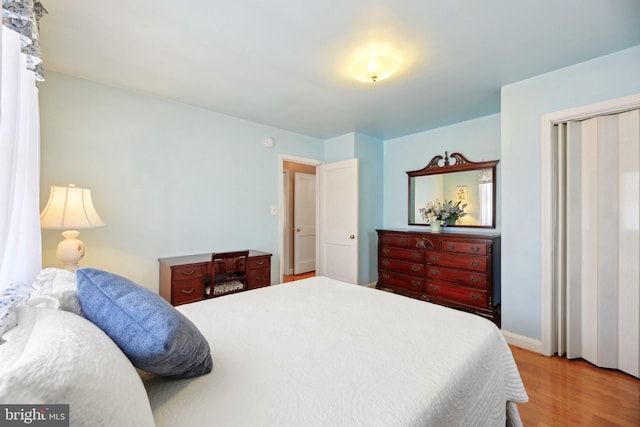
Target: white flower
448,212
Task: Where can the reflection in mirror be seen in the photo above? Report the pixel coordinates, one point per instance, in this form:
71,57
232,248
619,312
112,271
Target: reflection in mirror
466,182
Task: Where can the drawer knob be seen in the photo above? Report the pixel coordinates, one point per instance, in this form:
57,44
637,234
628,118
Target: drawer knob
415,255
386,240
433,272
385,276
385,251
450,246
434,287
475,297
260,262
187,291
475,248
259,277
475,263
415,283
188,273
386,263
415,268
434,257
475,279
402,241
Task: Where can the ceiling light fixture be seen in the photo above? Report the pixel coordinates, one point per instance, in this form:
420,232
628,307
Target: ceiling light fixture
375,62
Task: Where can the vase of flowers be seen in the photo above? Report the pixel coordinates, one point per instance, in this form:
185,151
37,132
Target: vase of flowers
447,213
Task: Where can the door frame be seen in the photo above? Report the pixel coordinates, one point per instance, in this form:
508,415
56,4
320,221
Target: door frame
547,204
281,201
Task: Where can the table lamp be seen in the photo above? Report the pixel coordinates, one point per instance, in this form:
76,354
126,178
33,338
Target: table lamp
70,208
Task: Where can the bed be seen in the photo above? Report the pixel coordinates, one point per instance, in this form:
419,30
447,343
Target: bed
320,352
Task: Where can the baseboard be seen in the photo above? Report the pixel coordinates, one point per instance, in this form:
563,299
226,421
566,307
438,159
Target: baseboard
522,341
371,285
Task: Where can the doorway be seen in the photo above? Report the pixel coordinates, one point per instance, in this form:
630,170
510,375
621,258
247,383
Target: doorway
336,210
298,218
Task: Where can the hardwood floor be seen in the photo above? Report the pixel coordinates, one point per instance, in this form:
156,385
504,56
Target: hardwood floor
575,393
292,277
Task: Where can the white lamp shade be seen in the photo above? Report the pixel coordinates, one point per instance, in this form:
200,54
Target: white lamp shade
70,207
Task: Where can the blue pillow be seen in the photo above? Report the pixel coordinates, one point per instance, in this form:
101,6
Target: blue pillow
154,335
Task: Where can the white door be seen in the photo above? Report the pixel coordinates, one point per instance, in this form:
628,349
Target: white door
304,212
338,220
603,241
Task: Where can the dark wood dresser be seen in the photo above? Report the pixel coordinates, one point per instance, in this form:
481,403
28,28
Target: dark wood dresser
461,271
182,278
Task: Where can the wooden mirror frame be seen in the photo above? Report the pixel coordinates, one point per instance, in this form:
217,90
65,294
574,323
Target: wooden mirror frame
462,164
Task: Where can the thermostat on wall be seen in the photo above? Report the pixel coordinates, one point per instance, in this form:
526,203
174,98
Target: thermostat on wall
268,142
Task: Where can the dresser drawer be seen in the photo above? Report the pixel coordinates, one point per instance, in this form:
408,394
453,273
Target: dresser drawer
402,254
184,291
259,272
398,280
464,247
259,262
402,267
468,278
425,243
457,261
188,272
258,278
468,296
397,240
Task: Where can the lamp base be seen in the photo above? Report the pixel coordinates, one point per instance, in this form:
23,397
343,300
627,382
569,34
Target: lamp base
71,250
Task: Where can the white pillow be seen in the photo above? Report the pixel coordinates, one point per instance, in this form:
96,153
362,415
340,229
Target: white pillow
61,285
59,357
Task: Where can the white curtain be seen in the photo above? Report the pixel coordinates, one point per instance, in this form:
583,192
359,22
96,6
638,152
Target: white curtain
485,191
20,239
598,263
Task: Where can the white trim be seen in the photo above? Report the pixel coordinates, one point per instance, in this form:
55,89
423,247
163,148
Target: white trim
281,199
522,341
371,285
612,106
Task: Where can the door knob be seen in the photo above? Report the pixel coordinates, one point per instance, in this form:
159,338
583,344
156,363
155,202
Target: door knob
298,230
351,236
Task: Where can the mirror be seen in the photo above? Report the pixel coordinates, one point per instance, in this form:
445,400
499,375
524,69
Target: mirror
470,183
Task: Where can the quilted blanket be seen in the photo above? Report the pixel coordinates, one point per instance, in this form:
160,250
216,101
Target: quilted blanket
320,352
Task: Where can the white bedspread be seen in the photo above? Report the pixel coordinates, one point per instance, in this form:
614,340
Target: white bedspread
319,352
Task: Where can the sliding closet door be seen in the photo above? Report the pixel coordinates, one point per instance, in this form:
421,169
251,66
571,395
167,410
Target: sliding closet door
629,244
602,241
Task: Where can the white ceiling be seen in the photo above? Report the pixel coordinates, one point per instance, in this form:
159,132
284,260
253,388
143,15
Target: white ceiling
283,63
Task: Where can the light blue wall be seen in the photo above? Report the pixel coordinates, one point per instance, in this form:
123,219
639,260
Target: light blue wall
477,140
168,179
523,104
340,148
368,150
